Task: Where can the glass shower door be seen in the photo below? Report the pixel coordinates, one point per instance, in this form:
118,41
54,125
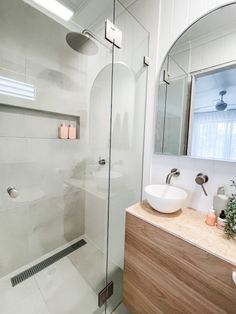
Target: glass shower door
54,191
127,138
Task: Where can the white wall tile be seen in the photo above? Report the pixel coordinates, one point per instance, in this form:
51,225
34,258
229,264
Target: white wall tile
196,10
219,172
147,11
180,7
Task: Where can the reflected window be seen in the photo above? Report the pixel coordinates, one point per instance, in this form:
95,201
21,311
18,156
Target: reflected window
16,88
214,115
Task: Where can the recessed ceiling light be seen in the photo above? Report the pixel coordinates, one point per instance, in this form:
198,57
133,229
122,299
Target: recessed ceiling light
56,8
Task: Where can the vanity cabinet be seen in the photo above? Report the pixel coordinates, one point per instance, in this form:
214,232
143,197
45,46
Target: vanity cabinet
166,274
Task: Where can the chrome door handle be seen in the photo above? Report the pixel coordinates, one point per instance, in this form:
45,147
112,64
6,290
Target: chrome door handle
101,161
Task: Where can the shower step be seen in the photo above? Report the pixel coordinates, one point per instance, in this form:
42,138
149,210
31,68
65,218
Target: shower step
45,263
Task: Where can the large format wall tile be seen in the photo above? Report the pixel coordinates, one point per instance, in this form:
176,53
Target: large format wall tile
13,239
74,215
46,226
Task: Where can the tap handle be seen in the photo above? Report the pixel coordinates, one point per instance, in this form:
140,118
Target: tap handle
175,172
201,179
204,190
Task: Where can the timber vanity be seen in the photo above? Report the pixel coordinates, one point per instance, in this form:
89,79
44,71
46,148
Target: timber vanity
175,263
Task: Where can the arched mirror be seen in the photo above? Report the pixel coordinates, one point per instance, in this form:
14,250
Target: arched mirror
196,109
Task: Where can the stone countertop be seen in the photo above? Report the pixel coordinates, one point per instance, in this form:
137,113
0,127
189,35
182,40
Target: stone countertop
189,225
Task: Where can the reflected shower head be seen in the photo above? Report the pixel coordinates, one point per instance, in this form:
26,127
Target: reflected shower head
82,42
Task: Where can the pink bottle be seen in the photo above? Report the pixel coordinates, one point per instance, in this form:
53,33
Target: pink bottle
72,132
211,218
63,131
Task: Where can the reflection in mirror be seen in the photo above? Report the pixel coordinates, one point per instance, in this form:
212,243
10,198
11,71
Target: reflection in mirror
172,109
196,110
213,118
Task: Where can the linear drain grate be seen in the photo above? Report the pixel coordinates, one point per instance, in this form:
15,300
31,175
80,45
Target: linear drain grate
47,262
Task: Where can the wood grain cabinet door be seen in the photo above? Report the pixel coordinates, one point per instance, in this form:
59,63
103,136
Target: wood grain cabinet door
164,274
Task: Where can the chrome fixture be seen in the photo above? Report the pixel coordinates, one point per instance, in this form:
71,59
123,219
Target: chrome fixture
12,192
113,34
166,77
146,60
101,161
82,42
201,179
173,173
234,277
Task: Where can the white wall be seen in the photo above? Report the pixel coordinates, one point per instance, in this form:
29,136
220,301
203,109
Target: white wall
175,17
147,13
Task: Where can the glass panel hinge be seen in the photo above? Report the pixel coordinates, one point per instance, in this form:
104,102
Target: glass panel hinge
166,77
113,34
105,294
146,60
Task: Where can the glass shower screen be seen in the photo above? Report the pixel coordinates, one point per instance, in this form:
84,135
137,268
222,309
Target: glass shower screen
72,110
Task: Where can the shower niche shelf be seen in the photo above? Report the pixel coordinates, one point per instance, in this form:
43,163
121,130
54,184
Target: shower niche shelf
21,122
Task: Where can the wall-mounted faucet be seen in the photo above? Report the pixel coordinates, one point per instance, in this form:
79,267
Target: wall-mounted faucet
201,179
173,173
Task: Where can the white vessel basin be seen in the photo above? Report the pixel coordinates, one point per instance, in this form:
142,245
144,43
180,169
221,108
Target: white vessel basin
165,198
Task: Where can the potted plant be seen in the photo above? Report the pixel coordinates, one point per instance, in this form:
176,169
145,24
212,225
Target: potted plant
230,224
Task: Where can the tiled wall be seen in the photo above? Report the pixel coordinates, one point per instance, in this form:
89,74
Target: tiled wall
206,51
48,211
175,17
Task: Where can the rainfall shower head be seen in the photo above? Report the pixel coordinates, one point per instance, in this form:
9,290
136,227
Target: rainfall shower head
82,42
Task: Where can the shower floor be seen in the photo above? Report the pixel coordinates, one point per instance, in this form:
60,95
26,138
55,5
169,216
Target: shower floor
69,286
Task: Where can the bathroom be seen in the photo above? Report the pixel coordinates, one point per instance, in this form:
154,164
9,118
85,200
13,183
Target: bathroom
86,98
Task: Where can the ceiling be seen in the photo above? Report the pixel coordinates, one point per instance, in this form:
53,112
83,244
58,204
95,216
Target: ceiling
209,86
89,14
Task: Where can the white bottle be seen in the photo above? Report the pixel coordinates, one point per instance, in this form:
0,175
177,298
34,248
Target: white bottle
220,200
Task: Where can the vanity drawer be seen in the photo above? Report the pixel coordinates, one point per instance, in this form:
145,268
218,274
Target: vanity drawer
165,274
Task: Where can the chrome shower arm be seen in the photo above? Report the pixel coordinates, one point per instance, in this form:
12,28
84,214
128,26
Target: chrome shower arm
91,34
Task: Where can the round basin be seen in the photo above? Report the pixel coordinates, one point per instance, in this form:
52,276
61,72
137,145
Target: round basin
165,198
